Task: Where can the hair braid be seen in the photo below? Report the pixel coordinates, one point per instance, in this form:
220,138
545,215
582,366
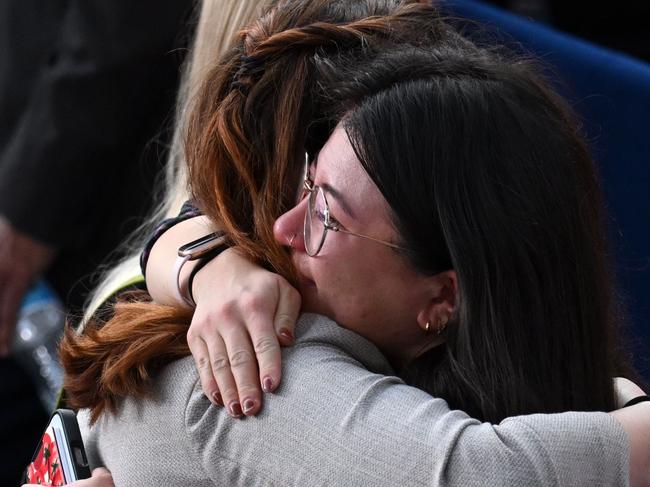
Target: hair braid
321,34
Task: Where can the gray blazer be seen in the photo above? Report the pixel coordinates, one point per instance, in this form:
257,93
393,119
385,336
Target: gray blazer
341,418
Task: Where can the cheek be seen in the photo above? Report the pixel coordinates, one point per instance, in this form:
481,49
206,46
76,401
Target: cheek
352,294
334,289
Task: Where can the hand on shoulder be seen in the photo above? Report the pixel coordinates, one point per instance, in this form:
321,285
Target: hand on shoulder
243,315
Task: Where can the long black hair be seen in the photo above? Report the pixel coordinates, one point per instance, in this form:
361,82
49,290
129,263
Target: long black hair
486,173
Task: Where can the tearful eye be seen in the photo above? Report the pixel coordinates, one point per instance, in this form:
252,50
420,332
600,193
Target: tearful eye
321,214
320,208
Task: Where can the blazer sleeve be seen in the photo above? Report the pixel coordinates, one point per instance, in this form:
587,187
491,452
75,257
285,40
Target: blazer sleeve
332,422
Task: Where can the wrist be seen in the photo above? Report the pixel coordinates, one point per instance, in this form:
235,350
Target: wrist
203,262
207,273
201,250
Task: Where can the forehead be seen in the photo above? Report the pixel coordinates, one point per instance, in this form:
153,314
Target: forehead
338,166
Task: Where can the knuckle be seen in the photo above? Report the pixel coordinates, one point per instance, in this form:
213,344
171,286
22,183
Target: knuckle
192,333
285,320
241,358
227,311
229,394
252,302
200,323
220,362
214,321
209,386
202,363
266,344
248,390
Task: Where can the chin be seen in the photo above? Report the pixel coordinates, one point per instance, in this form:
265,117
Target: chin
311,303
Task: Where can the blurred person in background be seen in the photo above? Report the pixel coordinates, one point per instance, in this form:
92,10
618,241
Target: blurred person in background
86,90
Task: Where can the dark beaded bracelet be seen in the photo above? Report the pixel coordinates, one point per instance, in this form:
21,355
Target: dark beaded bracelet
637,400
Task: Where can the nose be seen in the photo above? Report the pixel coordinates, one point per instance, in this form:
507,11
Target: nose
288,228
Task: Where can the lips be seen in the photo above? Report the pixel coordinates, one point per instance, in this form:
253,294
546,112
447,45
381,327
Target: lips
304,279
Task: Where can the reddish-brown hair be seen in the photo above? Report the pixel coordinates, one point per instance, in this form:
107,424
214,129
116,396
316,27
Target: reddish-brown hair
103,365
245,143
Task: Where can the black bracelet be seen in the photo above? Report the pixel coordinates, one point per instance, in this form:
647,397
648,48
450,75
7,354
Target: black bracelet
200,265
637,400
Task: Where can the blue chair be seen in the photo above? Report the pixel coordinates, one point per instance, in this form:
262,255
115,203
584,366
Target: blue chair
611,93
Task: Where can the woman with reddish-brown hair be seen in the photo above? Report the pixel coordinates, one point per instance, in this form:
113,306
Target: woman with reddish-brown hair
418,241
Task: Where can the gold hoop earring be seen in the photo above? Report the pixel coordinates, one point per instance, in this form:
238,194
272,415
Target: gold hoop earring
427,328
293,237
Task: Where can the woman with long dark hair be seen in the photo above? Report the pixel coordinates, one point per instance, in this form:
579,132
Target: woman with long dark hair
446,169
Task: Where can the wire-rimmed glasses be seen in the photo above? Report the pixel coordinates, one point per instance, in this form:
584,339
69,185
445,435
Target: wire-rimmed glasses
318,220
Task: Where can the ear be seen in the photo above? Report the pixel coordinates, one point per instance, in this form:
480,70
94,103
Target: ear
441,304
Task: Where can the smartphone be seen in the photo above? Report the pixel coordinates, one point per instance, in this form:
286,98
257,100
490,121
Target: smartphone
60,458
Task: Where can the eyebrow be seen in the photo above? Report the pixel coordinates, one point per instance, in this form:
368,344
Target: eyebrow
339,199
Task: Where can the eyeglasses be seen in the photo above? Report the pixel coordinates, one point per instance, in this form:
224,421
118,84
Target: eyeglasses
318,219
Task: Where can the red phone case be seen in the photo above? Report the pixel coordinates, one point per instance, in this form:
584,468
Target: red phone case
47,467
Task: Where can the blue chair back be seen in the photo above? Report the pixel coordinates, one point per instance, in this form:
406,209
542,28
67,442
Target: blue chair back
611,93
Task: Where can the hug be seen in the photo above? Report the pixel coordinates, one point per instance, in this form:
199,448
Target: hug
428,207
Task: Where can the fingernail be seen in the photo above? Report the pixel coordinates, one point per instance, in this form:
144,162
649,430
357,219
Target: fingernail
249,405
216,397
267,384
235,409
285,333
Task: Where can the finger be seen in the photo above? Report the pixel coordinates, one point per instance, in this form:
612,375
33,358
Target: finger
243,366
265,341
202,360
220,364
259,313
267,351
287,313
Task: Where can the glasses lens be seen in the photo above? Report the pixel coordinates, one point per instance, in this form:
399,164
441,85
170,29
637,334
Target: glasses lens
315,222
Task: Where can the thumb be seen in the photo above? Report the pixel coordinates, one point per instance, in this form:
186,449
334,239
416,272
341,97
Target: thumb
99,478
100,472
